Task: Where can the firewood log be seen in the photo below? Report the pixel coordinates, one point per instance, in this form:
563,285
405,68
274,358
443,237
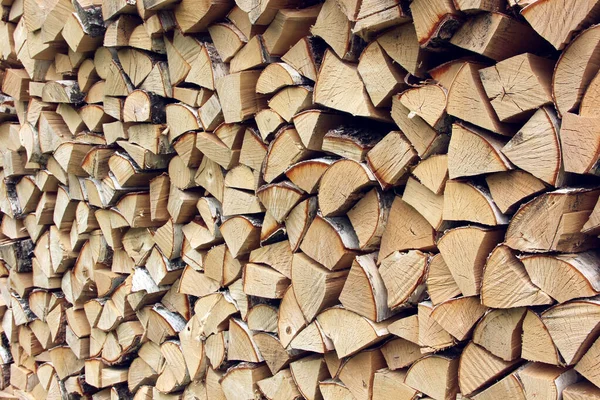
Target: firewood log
539,378
446,368
263,318
422,137
577,159
494,46
332,69
539,15
388,383
418,233
499,332
558,241
351,339
242,380
482,366
580,390
537,344
482,207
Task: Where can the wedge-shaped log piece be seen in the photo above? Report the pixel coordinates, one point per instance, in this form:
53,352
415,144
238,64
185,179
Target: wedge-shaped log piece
400,353
474,152
505,283
566,276
499,332
212,313
352,97
252,55
557,219
290,319
458,316
465,251
291,100
299,220
331,242
557,31
196,17
518,86
580,391
143,106
573,326
336,194
207,65
305,57
223,145
174,375
307,174
238,96
389,167
253,150
382,78
509,189
592,226
536,148
334,389
588,366
424,138
277,255
591,98
358,372
434,21
281,384
427,203
62,92
351,332
435,96
510,386
312,338
404,275
241,233
431,336
580,140
496,36
369,217
364,290
336,30
221,266
241,380
288,27
276,76
315,287
465,201
575,69
241,344
275,355
307,374
70,155
402,45
388,384
193,350
406,229
260,280
478,367
444,367
545,380
536,342
313,125
467,100
440,282
285,150
262,318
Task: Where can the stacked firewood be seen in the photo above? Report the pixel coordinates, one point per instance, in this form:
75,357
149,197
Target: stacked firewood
285,199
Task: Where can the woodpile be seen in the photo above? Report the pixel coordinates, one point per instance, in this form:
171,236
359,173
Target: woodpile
287,199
